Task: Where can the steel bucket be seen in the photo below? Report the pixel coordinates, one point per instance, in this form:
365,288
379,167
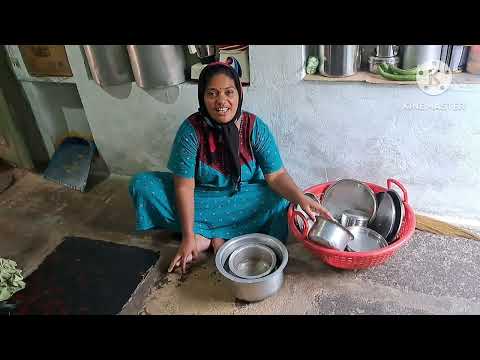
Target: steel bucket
339,60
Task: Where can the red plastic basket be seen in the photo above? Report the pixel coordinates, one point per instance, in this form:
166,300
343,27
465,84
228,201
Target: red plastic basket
357,260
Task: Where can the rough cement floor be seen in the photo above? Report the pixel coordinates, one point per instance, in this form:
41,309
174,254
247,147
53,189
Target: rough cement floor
431,275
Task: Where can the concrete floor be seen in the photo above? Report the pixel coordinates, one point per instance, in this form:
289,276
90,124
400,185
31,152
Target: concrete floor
431,275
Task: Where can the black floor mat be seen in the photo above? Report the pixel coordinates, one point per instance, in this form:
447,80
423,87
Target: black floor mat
84,276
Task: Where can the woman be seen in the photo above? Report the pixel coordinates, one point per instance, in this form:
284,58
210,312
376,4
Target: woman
228,177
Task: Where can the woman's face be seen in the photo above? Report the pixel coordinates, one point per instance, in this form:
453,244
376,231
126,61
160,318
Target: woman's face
221,98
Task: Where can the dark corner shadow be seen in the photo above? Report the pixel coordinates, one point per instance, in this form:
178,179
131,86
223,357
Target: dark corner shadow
99,172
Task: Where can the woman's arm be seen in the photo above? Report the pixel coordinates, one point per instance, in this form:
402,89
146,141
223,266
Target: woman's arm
281,182
182,164
184,189
184,199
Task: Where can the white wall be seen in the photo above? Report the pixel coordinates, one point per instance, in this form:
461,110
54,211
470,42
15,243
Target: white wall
325,131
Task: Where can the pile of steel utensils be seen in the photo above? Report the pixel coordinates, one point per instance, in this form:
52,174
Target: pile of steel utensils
362,220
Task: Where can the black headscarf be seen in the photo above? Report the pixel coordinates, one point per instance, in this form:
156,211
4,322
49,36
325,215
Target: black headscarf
229,131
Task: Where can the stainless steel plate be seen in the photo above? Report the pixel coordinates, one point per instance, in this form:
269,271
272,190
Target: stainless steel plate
385,218
399,214
365,239
348,194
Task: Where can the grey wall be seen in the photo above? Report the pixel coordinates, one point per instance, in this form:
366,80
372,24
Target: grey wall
325,131
55,102
61,111
29,144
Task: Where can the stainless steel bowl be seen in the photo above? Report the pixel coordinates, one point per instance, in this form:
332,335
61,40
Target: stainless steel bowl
365,239
252,261
354,218
253,289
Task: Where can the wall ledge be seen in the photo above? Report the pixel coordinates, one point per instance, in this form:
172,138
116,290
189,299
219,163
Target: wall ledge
365,76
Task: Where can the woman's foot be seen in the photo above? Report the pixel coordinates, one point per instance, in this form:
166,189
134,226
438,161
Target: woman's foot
217,244
202,243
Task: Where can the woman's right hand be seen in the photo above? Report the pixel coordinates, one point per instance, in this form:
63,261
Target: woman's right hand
186,252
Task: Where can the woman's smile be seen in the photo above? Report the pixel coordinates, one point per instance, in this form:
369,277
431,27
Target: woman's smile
223,110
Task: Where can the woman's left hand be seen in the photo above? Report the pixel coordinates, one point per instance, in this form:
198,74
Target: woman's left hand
313,208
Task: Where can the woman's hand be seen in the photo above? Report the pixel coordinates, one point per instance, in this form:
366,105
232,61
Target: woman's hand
186,252
313,208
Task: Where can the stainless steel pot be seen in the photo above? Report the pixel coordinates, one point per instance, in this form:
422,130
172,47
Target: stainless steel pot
325,232
253,289
157,65
455,57
205,50
354,218
206,53
252,261
415,55
330,233
339,60
387,50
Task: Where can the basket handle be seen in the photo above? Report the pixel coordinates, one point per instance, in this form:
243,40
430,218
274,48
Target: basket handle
305,222
396,182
